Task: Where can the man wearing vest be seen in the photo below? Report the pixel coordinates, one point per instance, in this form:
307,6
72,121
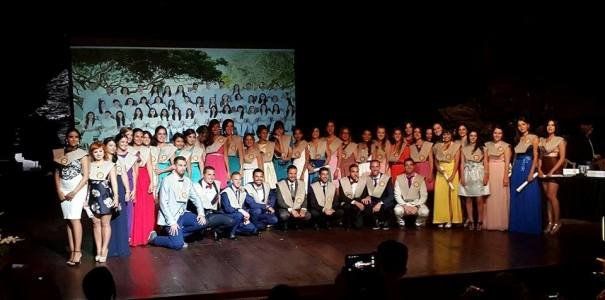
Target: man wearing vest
380,189
261,202
232,200
291,200
410,194
208,190
353,198
321,196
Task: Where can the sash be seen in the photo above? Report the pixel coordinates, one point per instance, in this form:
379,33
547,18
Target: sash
423,154
348,150
347,188
379,153
410,194
62,158
234,141
522,146
124,164
197,153
251,190
155,153
235,202
293,202
218,143
363,151
327,200
476,156
250,155
446,155
319,151
165,153
552,145
267,149
496,149
377,191
299,150
100,171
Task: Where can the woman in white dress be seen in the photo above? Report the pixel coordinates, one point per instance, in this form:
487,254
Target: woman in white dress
253,158
129,108
264,118
109,125
474,181
267,149
250,119
71,180
158,104
164,118
144,105
300,156
121,120
91,129
176,122
189,121
239,120
138,121
290,119
153,120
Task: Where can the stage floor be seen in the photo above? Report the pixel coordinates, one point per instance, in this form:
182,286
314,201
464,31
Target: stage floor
297,258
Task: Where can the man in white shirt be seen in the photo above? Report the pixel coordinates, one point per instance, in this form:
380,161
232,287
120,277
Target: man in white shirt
175,192
410,195
208,190
353,198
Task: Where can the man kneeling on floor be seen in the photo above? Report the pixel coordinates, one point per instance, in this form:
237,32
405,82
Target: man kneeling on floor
173,216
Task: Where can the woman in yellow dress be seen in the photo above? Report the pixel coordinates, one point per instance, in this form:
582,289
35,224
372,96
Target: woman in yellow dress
447,208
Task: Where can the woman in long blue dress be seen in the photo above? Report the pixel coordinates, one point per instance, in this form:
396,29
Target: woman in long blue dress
525,205
120,229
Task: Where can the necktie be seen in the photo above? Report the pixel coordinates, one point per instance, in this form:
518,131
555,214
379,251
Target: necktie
410,181
375,181
292,189
324,187
237,195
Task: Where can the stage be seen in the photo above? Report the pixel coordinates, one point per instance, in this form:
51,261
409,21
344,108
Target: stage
250,266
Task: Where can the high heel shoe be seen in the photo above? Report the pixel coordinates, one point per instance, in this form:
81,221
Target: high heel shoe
555,228
469,224
548,228
74,262
479,226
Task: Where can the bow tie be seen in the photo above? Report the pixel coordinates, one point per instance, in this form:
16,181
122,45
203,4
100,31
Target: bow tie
353,181
181,180
208,186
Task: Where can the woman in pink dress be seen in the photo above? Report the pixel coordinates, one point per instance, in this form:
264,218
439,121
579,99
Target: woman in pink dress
421,152
497,205
143,213
216,153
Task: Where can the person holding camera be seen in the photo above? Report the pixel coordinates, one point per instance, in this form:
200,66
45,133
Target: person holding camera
410,194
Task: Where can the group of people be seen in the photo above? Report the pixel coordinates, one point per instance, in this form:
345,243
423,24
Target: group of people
107,110
213,180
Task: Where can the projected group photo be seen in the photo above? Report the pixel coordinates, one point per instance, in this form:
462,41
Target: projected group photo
180,89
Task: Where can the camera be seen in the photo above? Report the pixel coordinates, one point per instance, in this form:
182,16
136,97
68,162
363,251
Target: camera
360,263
